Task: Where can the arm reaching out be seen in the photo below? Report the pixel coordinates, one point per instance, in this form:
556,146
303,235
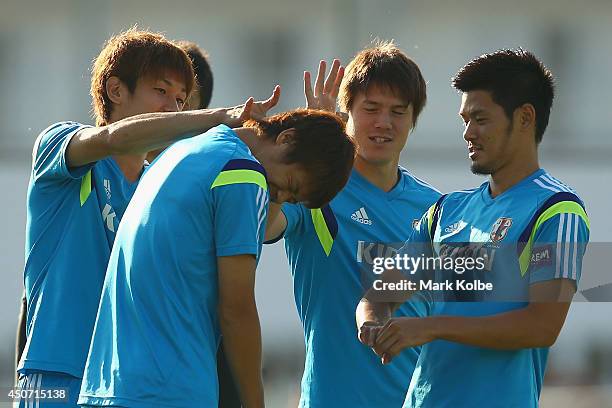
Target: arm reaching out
142,133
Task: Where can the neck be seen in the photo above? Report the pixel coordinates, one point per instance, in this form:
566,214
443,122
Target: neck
511,174
383,176
131,165
255,143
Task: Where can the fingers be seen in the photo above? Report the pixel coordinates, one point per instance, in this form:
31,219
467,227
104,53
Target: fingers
388,350
246,109
331,78
386,333
320,78
273,99
336,86
367,335
393,351
364,335
308,90
389,340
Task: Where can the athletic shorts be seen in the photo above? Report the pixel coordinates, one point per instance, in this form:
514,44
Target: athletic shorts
47,389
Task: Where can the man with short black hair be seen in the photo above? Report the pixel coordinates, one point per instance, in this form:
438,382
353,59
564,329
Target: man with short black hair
531,228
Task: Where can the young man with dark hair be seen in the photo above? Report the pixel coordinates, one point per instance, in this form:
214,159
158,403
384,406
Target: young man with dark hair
532,227
82,180
330,249
183,264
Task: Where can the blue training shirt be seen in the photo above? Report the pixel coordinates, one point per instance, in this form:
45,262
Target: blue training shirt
330,252
157,332
72,217
536,231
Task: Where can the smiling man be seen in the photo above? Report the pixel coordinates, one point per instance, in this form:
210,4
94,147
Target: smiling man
182,270
534,224
81,182
330,249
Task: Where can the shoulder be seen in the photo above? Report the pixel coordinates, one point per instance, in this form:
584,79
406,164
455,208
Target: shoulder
55,134
462,195
547,187
240,167
418,183
555,198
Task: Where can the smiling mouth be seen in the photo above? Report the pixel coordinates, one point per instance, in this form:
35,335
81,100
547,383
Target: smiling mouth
473,150
380,139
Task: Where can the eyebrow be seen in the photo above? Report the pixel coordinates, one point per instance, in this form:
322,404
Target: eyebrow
165,81
473,112
371,102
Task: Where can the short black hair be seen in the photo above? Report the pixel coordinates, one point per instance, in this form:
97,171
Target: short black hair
513,77
201,68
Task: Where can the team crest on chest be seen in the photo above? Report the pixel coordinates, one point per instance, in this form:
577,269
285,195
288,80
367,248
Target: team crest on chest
500,229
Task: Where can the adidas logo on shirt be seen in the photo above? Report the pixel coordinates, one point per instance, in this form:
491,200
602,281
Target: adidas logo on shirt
361,216
107,188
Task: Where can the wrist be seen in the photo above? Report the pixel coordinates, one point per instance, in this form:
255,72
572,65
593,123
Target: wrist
219,116
435,327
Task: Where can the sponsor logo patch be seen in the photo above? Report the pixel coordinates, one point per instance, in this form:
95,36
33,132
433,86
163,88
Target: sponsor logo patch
542,256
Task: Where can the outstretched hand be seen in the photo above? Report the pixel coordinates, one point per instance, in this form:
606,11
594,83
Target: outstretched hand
326,90
237,115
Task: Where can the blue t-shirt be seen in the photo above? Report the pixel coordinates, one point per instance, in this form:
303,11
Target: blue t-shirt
156,336
535,231
330,252
72,216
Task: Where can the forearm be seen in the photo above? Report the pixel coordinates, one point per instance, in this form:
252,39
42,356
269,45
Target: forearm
374,313
382,299
143,133
242,344
140,134
528,327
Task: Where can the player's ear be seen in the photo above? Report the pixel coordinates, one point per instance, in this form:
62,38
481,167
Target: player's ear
116,90
526,116
286,136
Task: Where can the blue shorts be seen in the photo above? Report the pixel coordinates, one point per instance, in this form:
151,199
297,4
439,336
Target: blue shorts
47,389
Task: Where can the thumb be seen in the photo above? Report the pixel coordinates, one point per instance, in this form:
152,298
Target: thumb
364,335
246,109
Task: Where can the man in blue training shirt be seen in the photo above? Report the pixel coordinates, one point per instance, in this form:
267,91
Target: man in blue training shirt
531,229
330,250
182,270
82,179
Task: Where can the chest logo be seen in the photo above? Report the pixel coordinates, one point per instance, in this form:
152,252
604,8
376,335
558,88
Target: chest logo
361,216
452,229
107,188
500,229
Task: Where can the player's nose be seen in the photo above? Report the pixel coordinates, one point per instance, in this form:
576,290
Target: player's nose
469,134
383,121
